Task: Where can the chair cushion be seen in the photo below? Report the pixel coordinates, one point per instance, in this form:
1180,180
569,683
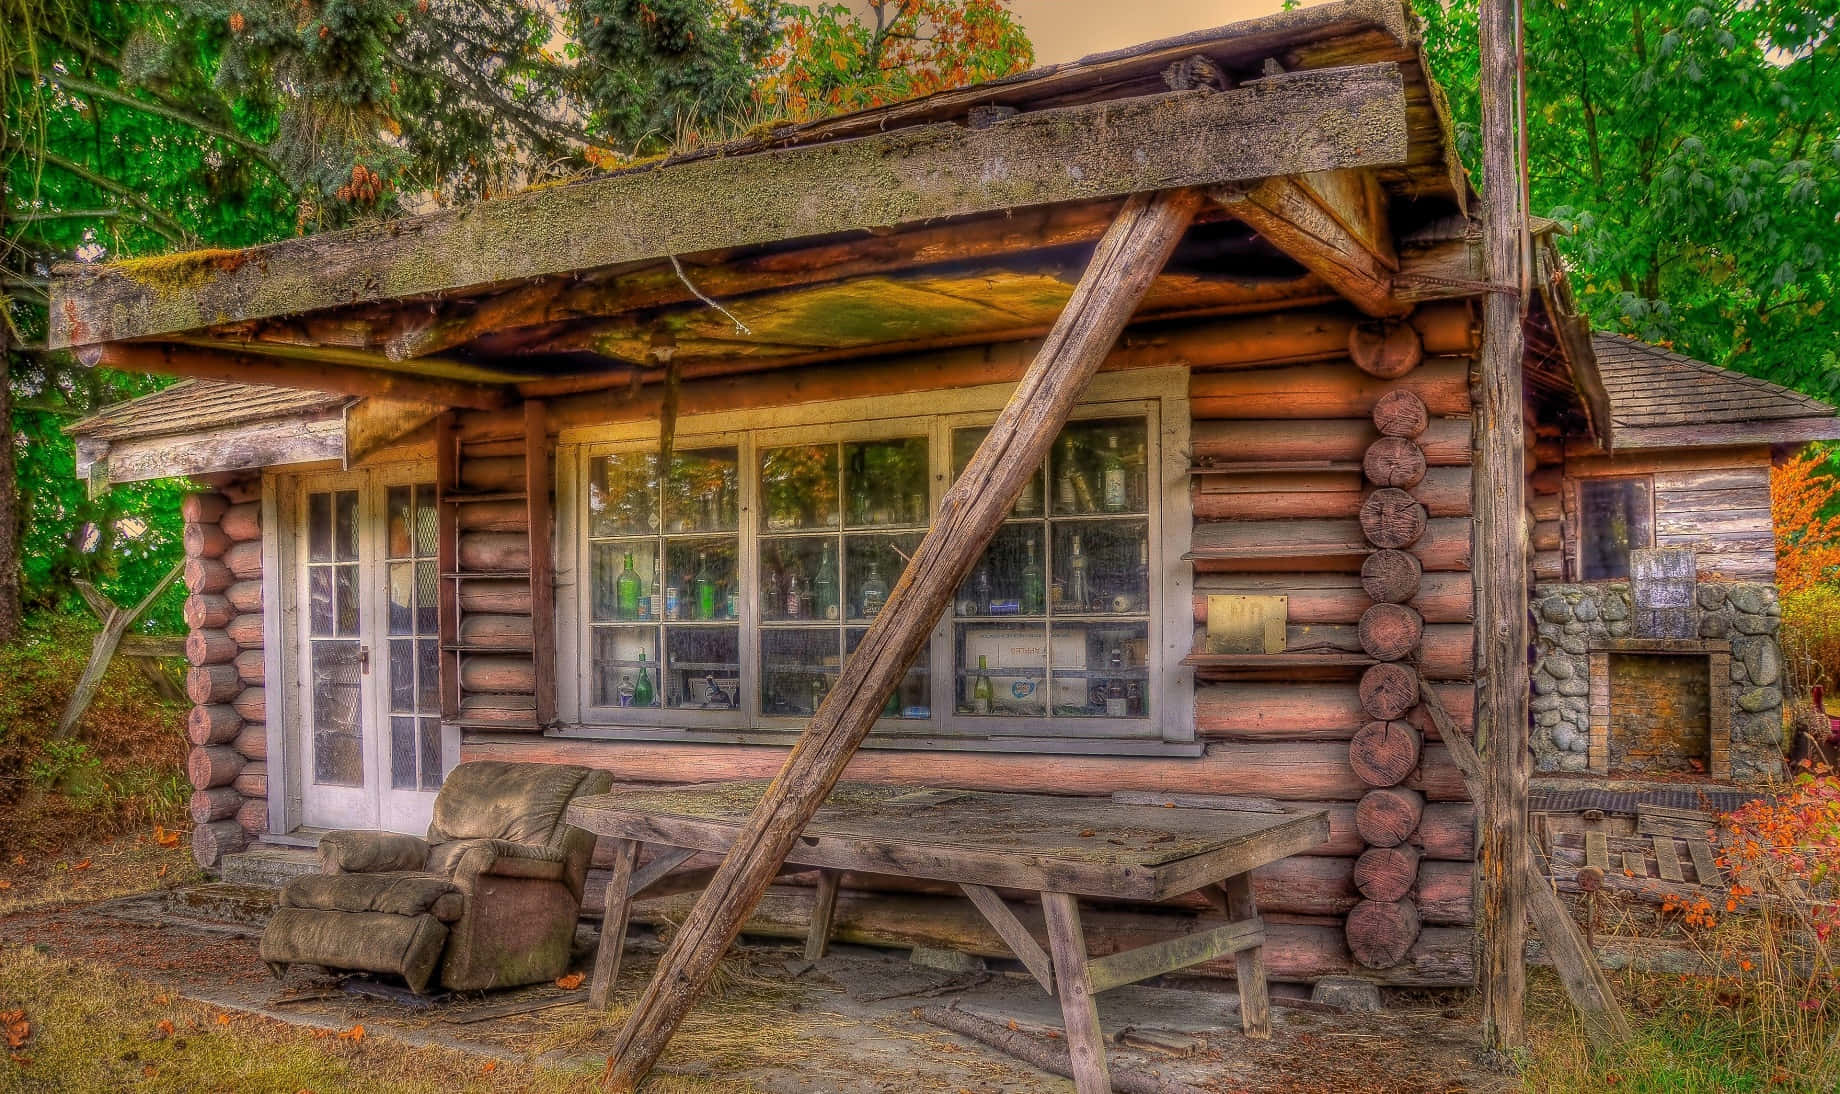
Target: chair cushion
464,858
407,946
398,893
495,799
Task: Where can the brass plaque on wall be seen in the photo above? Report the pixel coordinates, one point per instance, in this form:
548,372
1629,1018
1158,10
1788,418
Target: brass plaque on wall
1246,624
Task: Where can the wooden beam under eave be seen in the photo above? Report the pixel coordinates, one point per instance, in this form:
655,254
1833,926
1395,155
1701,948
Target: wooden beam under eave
1293,123
1333,226
252,368
271,443
373,424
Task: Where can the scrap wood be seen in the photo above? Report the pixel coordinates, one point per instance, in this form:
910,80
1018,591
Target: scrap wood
1049,1056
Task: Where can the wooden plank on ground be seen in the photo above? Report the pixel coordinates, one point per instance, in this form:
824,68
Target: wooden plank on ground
1634,864
1597,850
1667,862
1660,820
1705,867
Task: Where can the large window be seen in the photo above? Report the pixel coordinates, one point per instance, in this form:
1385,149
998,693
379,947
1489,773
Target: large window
1615,516
723,594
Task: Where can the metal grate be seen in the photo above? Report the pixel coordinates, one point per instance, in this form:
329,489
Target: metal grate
1713,799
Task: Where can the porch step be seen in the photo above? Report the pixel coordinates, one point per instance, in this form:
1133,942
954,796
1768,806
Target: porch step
268,866
226,901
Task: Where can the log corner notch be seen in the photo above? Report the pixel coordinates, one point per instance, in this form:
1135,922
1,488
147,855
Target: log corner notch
1334,224
1134,250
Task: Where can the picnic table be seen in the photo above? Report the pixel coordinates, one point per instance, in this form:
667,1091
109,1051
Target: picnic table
1060,847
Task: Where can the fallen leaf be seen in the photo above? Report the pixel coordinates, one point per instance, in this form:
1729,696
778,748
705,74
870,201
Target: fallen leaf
488,1067
1087,833
162,1000
19,860
84,865
355,1033
165,838
5,885
223,1019
165,1027
570,982
16,1029
149,1071
161,872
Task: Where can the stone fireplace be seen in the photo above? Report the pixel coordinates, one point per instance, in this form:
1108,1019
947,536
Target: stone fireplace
1660,706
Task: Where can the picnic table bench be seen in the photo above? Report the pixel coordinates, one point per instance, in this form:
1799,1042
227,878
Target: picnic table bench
1062,848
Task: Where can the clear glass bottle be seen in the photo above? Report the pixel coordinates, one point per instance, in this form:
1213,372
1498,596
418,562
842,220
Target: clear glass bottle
627,590
1115,492
874,590
1066,493
1078,591
824,586
795,593
980,584
642,694
981,690
774,593
1034,585
1116,705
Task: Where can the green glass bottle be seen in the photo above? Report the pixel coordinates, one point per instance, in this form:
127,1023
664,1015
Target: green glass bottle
627,588
1034,585
704,588
824,586
981,690
642,687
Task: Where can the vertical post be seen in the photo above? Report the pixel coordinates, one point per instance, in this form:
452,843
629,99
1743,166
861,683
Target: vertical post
1080,1015
542,558
1501,541
447,557
614,912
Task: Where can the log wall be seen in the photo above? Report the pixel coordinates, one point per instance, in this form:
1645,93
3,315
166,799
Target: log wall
487,512
227,727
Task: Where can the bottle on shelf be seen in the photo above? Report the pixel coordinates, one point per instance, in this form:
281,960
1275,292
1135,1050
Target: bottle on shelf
627,590
774,593
981,690
1079,592
1034,586
1133,699
794,607
624,693
817,693
642,694
980,584
1115,492
1066,494
824,586
655,610
1116,705
704,588
874,590
1028,503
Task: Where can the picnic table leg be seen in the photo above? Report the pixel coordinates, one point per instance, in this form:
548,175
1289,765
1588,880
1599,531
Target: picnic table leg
1254,997
823,904
613,923
1085,1042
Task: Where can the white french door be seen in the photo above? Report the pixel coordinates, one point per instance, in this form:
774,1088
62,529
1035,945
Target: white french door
369,748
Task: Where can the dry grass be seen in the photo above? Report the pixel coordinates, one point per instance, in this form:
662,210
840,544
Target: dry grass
120,867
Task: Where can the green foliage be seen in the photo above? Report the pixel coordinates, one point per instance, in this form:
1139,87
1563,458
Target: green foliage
63,763
1692,147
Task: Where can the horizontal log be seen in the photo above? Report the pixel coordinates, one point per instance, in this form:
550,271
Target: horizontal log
1545,535
1445,441
1391,577
213,804
252,781
511,711
1341,598
492,552
205,541
243,521
495,597
1548,566
493,516
1388,691
1391,518
204,610
1394,461
214,724
491,474
252,704
252,816
1445,893
245,560
245,630
1381,933
212,765
212,683
1239,546
209,647
245,596
211,842
251,666
511,632
493,673
1389,632
1443,491
207,575
203,508
252,741
1303,710
1332,390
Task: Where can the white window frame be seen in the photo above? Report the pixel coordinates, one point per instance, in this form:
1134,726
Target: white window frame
1161,395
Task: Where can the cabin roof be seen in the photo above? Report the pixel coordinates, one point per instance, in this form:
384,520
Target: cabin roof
1663,399
194,406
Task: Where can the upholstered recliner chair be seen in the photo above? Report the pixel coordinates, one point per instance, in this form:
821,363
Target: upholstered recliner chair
488,900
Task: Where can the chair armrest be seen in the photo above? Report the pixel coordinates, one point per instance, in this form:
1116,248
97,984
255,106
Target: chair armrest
504,858
357,852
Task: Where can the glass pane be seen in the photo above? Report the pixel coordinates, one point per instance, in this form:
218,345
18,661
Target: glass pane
886,482
626,667
619,589
428,675
1010,578
402,675
703,571
1101,567
1615,518
1099,670
427,598
703,667
912,698
402,598
431,753
872,564
345,527
1097,466
1001,667
798,667
398,515
798,488
623,494
403,736
701,494
346,600
799,578
427,524
319,600
319,528
338,733
965,442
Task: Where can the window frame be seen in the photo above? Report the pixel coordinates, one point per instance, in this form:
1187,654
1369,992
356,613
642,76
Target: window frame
1581,531
1159,395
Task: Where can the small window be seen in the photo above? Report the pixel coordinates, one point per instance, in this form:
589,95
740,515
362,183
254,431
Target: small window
1615,516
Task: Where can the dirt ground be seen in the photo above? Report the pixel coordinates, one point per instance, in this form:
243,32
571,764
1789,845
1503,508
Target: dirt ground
773,1023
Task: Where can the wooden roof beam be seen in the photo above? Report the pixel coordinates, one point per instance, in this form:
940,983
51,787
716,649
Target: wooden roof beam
1293,123
1334,224
254,368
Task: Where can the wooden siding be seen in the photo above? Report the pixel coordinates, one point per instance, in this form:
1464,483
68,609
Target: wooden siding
1716,501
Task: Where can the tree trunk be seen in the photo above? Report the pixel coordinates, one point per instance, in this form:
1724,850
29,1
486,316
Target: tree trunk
12,520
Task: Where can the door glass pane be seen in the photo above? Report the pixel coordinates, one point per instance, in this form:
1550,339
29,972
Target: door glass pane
702,491
399,531
412,661
1003,668
338,727
402,752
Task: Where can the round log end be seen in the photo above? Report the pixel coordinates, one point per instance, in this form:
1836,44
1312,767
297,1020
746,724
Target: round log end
1386,874
1385,753
1388,817
1389,632
1401,413
1387,691
211,842
1394,461
1391,577
1392,518
1386,348
1381,933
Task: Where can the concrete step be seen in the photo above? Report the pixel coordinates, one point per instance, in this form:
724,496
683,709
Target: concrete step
226,902
268,866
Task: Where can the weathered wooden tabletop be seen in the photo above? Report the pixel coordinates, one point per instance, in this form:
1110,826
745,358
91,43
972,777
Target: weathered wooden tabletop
1084,846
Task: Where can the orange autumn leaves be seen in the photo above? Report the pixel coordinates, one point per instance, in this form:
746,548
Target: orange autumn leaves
1802,495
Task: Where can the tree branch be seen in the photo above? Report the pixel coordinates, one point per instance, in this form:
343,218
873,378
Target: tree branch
158,109
156,220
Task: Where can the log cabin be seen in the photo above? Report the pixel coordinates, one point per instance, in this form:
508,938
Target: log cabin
618,471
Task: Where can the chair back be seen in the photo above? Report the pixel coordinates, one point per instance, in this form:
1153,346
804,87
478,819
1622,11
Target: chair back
520,802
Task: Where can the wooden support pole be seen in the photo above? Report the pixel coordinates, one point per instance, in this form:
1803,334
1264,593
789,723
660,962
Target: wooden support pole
1128,258
542,558
1499,563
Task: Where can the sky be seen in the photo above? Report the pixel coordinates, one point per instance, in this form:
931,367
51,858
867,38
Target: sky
1064,30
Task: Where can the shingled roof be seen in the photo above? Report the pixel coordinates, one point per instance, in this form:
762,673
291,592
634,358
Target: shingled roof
1662,399
192,406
